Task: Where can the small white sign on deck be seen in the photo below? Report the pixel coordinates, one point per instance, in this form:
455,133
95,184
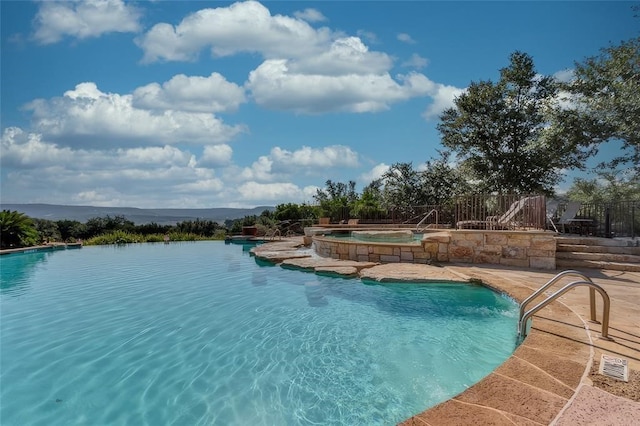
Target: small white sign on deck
614,367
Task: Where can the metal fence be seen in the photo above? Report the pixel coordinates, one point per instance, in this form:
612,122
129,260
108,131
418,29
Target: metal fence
619,219
514,212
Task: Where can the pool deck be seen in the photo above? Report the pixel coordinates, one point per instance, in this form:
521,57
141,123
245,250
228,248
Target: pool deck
552,377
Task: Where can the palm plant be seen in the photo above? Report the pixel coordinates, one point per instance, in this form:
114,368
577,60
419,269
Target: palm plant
16,230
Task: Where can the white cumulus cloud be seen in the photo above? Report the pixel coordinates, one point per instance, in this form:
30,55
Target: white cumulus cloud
405,38
216,156
241,27
27,150
375,173
310,15
282,163
88,116
307,158
192,94
443,97
83,19
305,70
270,192
38,170
348,55
416,61
274,86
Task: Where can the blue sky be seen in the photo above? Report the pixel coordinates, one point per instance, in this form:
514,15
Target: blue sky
222,104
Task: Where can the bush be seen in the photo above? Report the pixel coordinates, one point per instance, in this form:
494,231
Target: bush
123,237
115,237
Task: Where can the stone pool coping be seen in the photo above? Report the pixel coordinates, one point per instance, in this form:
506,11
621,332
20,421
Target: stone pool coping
546,380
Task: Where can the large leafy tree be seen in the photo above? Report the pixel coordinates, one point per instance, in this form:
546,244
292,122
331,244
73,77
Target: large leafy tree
101,225
369,205
443,182
295,212
607,89
610,186
438,183
503,135
403,187
336,198
47,229
17,230
70,230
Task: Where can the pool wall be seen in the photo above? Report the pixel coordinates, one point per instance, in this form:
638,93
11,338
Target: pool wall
47,247
527,249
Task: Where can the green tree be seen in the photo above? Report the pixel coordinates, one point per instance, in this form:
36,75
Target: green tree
369,205
102,225
403,187
47,229
610,186
501,132
607,89
336,199
205,228
443,182
17,230
288,211
70,230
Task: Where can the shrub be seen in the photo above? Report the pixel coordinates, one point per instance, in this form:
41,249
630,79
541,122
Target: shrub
115,237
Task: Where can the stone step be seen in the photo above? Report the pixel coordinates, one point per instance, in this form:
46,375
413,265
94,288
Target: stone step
597,249
596,241
594,264
603,257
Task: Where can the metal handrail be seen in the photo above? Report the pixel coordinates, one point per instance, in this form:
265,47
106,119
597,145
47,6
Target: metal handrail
522,326
592,293
274,233
426,217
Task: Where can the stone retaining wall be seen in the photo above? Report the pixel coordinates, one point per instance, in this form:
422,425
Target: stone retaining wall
526,249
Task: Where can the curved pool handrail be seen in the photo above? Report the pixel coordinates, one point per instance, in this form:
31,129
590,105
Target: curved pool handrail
551,282
522,326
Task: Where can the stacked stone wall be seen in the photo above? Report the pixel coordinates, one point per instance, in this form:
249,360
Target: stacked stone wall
526,249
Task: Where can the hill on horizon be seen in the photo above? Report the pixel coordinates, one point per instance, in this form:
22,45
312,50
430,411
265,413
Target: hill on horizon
136,215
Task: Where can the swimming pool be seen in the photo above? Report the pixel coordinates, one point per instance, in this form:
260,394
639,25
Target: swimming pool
377,236
199,333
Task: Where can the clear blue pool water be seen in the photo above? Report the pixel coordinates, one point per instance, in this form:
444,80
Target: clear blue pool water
416,238
201,334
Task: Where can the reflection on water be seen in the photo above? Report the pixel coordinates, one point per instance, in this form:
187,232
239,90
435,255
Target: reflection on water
315,293
17,269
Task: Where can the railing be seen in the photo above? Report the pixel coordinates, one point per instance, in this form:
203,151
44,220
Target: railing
617,219
273,233
511,211
551,282
486,211
586,281
424,219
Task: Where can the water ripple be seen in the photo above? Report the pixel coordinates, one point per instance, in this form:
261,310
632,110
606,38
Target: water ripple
200,334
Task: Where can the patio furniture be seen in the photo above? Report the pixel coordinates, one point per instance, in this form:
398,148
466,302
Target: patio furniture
569,214
506,221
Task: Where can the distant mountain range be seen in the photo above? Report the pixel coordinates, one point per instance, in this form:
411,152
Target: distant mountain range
137,216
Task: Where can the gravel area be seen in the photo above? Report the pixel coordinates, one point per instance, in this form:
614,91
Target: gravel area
630,389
